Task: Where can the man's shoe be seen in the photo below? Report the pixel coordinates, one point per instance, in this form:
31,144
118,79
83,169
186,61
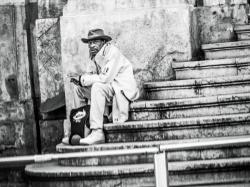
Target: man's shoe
65,140
95,137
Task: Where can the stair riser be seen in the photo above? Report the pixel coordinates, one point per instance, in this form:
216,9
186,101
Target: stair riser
221,178
243,35
227,53
208,154
189,111
197,90
177,133
213,71
131,181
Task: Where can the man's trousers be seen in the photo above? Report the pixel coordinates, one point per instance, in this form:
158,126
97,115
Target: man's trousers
98,95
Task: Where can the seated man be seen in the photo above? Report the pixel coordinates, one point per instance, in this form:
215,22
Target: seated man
113,83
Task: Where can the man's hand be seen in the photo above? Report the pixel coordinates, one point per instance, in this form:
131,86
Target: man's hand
76,81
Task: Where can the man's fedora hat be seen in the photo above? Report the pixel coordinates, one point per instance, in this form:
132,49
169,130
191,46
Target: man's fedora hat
96,34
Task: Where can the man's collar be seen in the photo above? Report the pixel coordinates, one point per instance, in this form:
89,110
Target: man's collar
102,51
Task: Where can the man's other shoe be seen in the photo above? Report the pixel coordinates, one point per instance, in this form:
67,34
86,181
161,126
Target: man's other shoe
95,137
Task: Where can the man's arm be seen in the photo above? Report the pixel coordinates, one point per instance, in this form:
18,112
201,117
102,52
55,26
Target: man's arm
108,73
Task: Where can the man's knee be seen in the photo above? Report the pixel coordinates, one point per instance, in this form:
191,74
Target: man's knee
97,87
77,90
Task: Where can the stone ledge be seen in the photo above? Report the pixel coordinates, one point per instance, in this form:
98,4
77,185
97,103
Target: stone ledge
12,111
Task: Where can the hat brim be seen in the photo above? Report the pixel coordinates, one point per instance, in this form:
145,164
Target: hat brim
104,37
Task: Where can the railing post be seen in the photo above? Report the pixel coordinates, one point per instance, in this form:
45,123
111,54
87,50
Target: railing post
161,169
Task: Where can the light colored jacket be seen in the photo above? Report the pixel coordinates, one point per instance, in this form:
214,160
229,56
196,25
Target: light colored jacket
115,69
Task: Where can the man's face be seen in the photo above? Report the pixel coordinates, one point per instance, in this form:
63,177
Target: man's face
94,47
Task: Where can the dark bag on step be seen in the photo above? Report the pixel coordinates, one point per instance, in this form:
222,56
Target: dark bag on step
79,117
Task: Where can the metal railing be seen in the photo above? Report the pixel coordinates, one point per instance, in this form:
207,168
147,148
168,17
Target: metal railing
160,155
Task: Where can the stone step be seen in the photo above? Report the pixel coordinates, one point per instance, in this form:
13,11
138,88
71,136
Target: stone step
197,173
185,128
212,68
240,150
197,87
242,31
227,50
191,107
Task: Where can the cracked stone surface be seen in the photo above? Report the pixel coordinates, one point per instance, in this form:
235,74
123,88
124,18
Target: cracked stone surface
49,57
216,21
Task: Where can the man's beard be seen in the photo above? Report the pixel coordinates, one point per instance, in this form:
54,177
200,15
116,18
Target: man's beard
92,54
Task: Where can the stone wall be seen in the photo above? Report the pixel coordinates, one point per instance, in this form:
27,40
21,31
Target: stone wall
17,117
217,18
16,103
50,8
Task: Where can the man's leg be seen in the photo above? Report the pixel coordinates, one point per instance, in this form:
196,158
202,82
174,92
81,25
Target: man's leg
100,94
81,94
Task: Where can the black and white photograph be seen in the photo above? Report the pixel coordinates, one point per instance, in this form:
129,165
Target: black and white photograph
124,93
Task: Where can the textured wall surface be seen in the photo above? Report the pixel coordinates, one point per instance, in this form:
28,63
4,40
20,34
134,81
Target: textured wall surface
216,22
50,8
51,135
49,57
14,67
16,107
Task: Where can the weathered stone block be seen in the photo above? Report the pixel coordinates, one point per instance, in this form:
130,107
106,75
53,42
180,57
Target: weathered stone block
216,23
17,122
49,57
50,8
51,134
17,128
14,54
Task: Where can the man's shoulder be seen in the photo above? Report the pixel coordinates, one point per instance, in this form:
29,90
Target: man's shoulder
109,49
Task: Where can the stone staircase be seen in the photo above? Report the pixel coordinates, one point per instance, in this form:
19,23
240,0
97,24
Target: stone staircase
209,100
